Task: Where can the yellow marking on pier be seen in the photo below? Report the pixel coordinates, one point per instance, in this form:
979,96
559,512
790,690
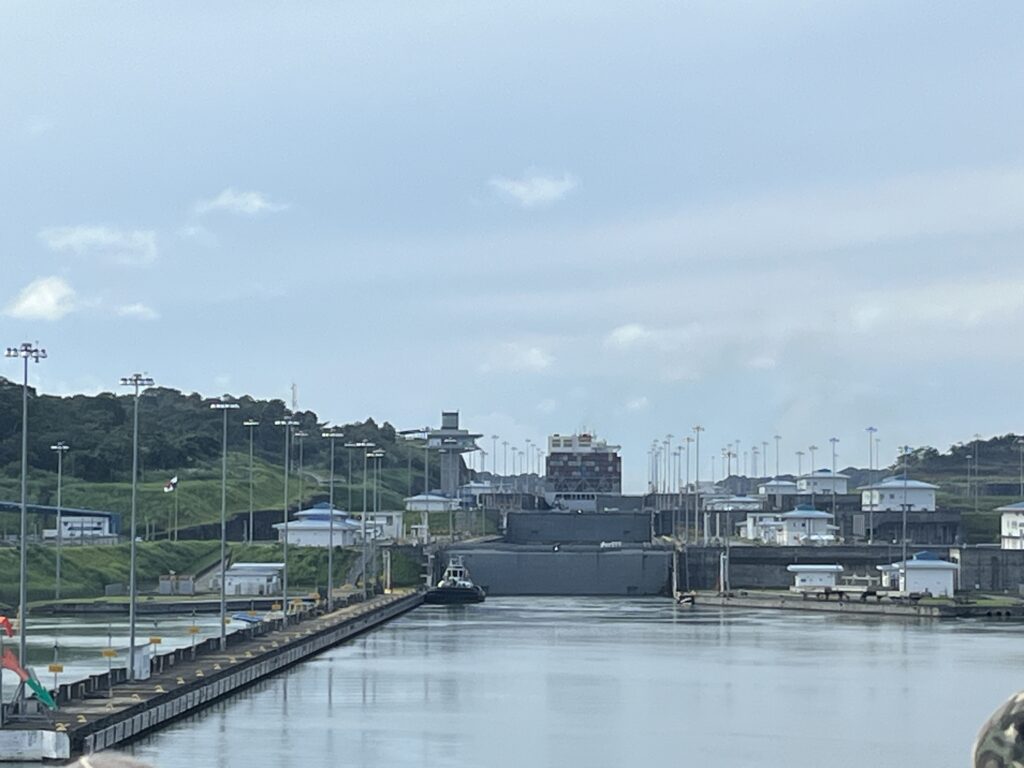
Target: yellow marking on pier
181,681
81,718
199,673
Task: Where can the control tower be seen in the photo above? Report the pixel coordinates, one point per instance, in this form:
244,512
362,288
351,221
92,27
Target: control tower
450,442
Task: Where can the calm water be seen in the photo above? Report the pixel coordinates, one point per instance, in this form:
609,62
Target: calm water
601,682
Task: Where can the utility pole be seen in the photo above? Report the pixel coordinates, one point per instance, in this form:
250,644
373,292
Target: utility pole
288,423
60,448
696,511
251,424
871,481
224,408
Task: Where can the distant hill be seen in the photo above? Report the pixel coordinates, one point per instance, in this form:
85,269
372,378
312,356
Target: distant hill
180,435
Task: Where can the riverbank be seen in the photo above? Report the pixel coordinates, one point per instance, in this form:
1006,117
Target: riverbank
105,710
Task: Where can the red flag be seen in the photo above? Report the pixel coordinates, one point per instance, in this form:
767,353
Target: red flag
11,663
6,624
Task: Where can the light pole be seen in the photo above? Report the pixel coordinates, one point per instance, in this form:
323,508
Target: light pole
1020,445
799,464
287,423
777,439
331,435
906,580
251,424
871,481
376,455
696,482
834,441
300,435
27,351
494,457
686,512
224,407
365,445
813,483
136,381
60,448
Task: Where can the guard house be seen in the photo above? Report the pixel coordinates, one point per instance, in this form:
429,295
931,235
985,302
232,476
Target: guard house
892,493
1011,525
822,481
777,493
922,574
805,525
811,577
252,579
385,526
761,527
312,527
450,443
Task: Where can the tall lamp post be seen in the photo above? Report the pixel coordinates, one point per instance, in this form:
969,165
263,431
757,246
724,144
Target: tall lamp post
251,424
60,448
834,441
696,482
871,481
27,351
288,424
137,381
299,434
224,407
333,436
377,456
1020,445
906,580
812,449
365,445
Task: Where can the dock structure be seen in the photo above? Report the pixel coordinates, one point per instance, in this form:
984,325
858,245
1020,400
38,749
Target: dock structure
101,713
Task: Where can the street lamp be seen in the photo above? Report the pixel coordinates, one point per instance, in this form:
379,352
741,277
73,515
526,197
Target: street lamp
696,482
906,450
251,424
136,381
1020,445
365,445
27,351
812,449
871,481
299,434
60,448
287,423
331,435
833,440
799,464
224,408
376,455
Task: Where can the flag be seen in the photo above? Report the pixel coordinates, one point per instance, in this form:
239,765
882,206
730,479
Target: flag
171,484
11,663
5,624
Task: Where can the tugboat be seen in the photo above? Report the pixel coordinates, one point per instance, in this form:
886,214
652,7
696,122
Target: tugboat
455,586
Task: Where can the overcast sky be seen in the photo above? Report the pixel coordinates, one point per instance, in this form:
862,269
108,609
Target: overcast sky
793,218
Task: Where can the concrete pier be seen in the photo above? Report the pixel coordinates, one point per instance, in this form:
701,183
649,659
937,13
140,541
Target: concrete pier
101,713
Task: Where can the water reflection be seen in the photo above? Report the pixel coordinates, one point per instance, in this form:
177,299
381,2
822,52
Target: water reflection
567,682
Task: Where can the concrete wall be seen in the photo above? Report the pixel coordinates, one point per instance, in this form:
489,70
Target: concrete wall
572,570
33,746
577,528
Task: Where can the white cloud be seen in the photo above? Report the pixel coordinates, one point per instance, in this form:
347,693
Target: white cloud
547,405
637,403
198,233
138,310
114,245
517,357
628,335
48,298
534,189
247,203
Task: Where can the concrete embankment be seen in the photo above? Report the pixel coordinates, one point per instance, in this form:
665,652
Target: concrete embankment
105,711
793,602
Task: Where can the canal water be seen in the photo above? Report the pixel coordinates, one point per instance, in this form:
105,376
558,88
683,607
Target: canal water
606,682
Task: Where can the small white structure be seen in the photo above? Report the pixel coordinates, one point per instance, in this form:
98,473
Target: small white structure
252,579
80,527
760,526
1012,525
734,504
777,488
810,577
805,525
892,493
822,481
385,525
312,528
923,574
430,502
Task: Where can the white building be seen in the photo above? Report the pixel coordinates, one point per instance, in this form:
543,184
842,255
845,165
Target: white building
777,488
733,504
822,481
923,574
892,493
252,579
312,528
387,526
809,577
760,526
430,502
1012,525
75,526
805,525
